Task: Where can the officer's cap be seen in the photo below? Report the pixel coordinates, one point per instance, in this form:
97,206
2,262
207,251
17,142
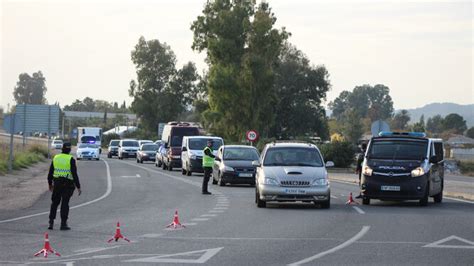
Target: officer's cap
66,145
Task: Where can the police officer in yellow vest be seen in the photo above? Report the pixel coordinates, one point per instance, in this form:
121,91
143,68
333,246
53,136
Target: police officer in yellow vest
207,163
62,180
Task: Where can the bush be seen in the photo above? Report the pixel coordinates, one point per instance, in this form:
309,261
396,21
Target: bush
340,152
38,149
467,168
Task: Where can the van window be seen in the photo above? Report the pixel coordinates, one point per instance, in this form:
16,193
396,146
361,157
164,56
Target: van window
200,144
177,134
88,139
439,151
398,149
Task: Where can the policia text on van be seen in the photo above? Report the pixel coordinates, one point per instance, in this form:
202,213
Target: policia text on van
403,166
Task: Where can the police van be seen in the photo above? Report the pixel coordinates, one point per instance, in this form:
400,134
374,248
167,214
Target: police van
403,166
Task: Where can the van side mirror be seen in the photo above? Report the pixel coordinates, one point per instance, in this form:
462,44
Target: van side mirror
256,163
329,164
434,159
184,149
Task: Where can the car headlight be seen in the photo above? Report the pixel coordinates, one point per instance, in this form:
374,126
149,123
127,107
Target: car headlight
367,171
417,172
270,181
228,169
320,182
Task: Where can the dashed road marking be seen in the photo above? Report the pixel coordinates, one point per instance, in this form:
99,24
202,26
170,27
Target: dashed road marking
209,215
359,210
216,211
221,208
200,219
333,197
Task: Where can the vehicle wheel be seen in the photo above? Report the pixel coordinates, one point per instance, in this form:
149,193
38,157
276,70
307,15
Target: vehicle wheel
214,182
138,161
424,200
183,171
141,161
365,201
159,164
189,173
221,181
109,156
260,203
170,168
438,198
163,166
78,159
326,204
96,159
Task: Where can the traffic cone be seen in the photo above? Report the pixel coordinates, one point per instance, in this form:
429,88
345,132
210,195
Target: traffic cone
351,200
175,224
47,248
118,235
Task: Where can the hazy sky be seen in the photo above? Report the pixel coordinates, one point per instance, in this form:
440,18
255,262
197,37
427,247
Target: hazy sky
422,50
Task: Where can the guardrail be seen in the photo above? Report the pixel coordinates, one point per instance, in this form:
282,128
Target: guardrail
18,139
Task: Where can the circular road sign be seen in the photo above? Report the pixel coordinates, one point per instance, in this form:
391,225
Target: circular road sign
252,135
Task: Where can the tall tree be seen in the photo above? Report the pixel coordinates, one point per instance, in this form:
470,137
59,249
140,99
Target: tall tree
455,123
30,89
301,88
161,92
242,51
420,125
400,120
470,133
435,124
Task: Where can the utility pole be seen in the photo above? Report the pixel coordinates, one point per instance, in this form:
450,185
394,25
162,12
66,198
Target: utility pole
12,130
49,131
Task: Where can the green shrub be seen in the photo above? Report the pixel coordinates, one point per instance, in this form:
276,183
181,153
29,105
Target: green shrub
38,149
340,152
467,168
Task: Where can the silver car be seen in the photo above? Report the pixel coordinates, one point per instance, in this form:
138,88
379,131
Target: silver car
290,172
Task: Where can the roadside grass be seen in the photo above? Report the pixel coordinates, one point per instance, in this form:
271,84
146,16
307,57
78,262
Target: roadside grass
23,156
466,167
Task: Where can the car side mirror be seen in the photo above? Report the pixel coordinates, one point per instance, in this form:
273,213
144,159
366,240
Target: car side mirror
329,164
256,163
184,149
433,159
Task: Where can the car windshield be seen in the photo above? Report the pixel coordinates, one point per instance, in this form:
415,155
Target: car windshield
85,145
88,139
200,144
398,149
150,147
130,143
293,157
240,154
114,143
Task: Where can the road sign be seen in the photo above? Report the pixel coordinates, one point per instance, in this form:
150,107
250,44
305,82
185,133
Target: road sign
379,126
161,126
252,135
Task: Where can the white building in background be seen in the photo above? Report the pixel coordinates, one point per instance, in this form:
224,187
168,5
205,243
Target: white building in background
120,130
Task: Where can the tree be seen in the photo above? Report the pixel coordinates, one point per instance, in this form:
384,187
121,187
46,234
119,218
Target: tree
470,133
161,92
400,120
454,122
30,89
435,124
420,125
242,52
353,128
301,88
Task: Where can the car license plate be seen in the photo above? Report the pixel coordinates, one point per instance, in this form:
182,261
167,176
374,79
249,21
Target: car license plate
295,191
390,188
245,174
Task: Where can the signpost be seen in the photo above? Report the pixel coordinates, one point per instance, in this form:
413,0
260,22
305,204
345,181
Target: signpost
252,136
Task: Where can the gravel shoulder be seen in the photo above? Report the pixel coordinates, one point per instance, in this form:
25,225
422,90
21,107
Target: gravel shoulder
21,189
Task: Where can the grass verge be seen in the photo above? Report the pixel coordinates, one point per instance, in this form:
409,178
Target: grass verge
467,168
23,156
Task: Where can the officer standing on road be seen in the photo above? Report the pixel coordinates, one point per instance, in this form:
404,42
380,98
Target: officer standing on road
360,160
207,163
62,180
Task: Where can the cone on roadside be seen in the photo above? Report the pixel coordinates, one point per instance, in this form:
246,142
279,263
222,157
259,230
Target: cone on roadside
118,235
176,224
351,200
47,248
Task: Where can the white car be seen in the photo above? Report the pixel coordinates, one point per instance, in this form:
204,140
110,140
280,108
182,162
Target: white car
144,141
88,151
57,144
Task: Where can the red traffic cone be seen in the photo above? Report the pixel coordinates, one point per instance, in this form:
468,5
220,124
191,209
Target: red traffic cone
118,235
351,200
47,248
175,224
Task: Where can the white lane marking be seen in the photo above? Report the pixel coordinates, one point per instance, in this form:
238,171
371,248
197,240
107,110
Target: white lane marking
359,210
131,176
200,219
333,197
218,211
71,263
358,236
151,235
187,224
252,238
107,193
209,215
206,255
438,244
221,208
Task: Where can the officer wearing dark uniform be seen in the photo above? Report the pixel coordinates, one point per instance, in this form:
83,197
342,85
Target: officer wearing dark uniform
207,163
62,180
360,160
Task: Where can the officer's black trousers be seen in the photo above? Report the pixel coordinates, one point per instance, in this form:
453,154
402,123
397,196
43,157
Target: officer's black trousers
62,192
207,176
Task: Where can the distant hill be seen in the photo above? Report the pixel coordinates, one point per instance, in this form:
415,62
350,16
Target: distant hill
443,109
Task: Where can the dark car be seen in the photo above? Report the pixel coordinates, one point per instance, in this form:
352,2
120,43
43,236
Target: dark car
160,155
233,164
113,148
147,152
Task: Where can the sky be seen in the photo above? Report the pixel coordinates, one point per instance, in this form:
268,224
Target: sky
422,50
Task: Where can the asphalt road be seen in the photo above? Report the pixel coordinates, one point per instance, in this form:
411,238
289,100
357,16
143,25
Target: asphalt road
227,228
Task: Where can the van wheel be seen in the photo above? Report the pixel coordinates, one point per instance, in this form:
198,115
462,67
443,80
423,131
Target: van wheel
424,200
189,173
365,201
438,198
183,171
260,203
158,164
163,166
